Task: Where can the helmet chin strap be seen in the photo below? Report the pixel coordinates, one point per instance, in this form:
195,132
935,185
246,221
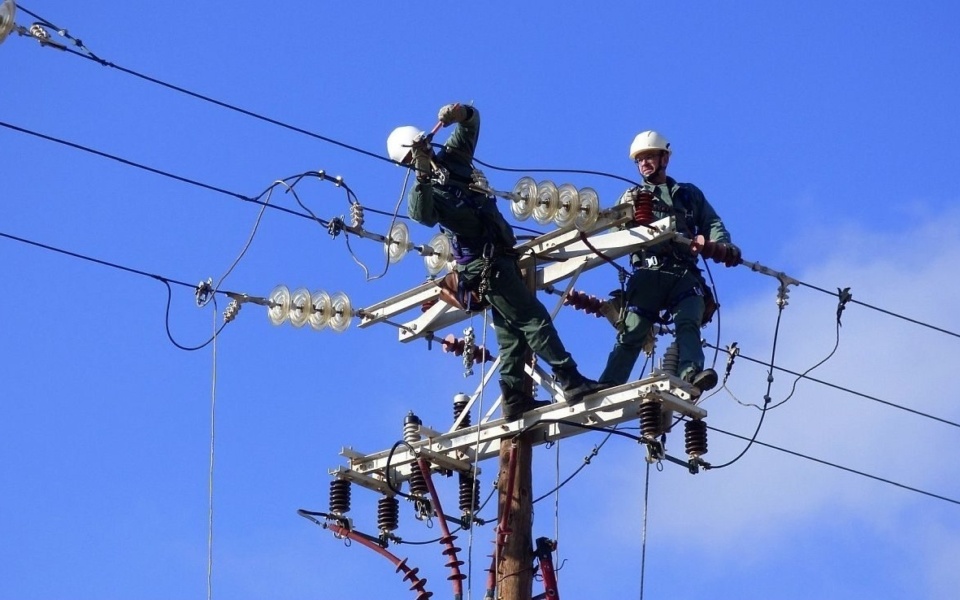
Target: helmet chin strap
656,172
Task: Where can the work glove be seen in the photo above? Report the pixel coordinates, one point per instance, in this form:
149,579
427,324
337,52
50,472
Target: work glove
732,255
629,196
452,113
422,158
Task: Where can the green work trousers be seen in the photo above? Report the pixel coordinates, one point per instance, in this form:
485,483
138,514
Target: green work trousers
520,321
673,286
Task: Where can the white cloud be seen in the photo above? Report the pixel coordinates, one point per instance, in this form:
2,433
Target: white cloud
759,506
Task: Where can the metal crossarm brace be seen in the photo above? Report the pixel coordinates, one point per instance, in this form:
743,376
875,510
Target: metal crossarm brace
565,251
459,450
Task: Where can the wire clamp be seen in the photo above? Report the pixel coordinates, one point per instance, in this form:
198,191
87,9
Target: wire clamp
204,292
844,297
335,227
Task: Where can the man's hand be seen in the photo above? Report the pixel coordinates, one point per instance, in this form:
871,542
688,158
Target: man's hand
629,196
733,256
422,158
452,113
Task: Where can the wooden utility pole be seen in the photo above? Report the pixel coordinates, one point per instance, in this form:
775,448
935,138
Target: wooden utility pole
515,564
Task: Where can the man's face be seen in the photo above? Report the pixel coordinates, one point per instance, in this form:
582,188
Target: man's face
652,164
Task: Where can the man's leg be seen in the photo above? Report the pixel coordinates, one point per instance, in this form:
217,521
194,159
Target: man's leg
642,297
526,316
687,318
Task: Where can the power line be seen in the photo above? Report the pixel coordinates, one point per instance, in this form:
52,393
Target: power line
154,170
85,53
844,389
841,467
320,174
339,182
164,280
95,260
312,217
884,311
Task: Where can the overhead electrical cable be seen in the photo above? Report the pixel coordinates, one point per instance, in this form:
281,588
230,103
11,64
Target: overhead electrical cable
85,53
841,467
164,280
845,389
156,171
755,441
884,311
94,58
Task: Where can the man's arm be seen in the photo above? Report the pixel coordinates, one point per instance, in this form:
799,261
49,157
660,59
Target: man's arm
709,223
462,142
420,205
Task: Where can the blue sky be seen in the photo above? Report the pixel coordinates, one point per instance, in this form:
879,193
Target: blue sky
824,133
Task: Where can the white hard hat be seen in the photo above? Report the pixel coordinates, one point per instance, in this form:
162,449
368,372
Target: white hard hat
648,140
400,140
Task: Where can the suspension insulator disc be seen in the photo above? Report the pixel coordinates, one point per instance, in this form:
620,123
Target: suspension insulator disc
441,257
322,310
342,312
589,210
279,310
569,205
524,198
301,307
547,202
397,243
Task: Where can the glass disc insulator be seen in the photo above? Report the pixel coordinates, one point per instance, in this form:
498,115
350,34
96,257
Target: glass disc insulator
397,243
301,306
342,313
524,198
442,254
568,205
589,210
548,201
322,310
279,308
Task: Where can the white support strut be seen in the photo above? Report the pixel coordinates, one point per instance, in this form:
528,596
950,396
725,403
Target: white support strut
459,450
564,253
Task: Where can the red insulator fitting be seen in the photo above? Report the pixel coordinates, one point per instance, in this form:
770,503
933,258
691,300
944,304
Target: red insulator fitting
456,345
715,251
585,302
643,207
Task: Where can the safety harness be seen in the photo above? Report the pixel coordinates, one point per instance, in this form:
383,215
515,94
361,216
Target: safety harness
656,257
494,241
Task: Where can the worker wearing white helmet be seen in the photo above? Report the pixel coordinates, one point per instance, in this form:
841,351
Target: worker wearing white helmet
666,283
487,272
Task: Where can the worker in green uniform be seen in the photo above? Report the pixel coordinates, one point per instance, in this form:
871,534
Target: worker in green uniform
483,247
665,276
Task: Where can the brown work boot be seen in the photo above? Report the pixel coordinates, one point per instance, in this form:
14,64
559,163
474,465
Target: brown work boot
515,402
703,381
574,385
